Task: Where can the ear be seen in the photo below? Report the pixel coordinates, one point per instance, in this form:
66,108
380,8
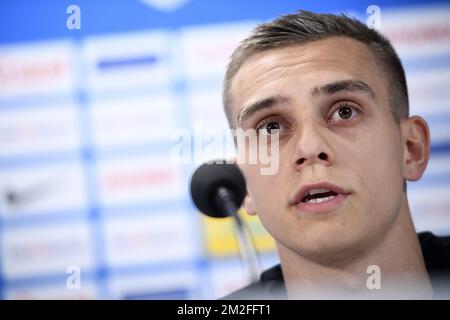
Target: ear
416,144
248,205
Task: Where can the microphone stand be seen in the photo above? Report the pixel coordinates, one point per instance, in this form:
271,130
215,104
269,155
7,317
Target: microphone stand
248,254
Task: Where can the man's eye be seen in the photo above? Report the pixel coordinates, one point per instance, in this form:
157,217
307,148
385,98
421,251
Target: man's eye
270,126
344,112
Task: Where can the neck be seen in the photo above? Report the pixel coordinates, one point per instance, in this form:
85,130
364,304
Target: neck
391,268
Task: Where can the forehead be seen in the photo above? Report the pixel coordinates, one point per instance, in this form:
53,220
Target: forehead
303,67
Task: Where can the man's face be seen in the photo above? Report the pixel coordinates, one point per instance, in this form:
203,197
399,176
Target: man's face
329,102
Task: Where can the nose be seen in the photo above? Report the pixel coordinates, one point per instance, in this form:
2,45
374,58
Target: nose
311,147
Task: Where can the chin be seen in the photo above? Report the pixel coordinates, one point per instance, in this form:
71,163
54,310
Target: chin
332,247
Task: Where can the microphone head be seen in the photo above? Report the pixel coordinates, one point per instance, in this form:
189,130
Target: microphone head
208,178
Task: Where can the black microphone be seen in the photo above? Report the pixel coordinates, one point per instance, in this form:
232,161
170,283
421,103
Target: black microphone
218,190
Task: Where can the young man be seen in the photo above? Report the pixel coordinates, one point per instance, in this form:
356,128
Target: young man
335,93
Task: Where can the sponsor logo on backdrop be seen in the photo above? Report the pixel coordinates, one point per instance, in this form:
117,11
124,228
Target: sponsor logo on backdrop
35,69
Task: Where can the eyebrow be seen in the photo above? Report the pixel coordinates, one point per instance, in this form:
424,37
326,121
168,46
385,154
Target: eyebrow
350,85
266,103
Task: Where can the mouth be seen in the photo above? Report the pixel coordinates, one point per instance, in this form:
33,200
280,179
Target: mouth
319,197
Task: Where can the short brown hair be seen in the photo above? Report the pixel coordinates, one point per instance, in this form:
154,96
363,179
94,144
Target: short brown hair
304,27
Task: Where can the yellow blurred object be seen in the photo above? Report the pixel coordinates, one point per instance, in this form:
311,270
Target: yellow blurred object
220,238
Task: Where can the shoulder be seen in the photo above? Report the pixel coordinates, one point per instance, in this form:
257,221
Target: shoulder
269,286
436,251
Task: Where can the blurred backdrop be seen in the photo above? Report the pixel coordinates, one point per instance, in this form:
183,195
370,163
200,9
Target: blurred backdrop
89,109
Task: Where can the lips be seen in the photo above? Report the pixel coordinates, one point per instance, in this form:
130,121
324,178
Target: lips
319,197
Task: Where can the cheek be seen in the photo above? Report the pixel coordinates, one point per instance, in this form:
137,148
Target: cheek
379,170
257,184
385,157
268,195
266,192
